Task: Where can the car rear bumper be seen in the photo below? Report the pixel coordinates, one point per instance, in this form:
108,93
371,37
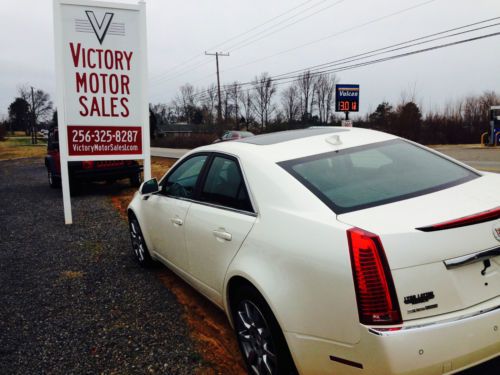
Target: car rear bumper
440,348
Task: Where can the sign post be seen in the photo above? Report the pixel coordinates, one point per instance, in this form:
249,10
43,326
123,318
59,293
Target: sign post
347,100
101,79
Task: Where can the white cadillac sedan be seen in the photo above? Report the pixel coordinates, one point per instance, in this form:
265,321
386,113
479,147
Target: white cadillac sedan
334,250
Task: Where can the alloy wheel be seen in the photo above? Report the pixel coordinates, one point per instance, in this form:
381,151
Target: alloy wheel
137,241
255,339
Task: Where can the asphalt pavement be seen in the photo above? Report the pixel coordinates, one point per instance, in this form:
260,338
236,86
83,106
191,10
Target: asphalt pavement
481,158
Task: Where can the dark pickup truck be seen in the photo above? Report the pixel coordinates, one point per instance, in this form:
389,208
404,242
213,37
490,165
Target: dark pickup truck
87,171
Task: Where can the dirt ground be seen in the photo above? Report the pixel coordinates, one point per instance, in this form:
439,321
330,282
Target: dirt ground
214,338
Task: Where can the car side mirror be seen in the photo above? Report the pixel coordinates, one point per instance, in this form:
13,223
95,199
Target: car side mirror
149,187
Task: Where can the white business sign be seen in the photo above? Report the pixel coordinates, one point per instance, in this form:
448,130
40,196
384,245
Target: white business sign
101,71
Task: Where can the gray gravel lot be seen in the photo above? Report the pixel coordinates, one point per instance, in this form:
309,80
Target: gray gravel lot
72,300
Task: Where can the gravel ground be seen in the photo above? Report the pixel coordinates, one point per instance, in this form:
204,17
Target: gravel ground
72,300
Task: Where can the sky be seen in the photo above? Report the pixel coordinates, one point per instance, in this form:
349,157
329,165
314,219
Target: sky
278,36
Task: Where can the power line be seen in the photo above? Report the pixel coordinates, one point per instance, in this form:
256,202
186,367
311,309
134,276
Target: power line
250,40
387,48
219,107
182,64
262,24
344,31
285,80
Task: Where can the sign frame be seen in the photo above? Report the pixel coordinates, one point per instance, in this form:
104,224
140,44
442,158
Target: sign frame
141,105
350,98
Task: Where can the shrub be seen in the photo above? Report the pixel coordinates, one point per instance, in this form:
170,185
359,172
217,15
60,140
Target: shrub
3,131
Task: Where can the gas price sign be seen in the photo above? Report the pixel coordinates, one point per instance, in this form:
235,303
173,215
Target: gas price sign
346,98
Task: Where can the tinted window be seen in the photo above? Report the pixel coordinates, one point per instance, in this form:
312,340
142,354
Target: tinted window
225,186
380,173
183,179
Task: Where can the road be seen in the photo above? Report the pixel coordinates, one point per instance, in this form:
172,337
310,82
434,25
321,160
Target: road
172,153
482,158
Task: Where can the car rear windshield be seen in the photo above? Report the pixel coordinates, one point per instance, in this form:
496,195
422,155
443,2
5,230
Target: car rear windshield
367,176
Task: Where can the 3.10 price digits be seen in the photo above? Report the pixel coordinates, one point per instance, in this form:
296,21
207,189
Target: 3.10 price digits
347,106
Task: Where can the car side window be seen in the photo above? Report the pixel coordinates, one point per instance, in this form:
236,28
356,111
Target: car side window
224,185
182,181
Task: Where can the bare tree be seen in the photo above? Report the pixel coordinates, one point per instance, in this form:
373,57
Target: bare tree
160,110
264,89
209,102
290,103
40,104
325,92
235,93
306,88
186,101
246,101
488,99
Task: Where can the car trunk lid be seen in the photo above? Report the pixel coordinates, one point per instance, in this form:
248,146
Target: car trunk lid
444,270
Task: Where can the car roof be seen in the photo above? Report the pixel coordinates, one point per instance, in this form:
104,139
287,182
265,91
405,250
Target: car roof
284,136
292,144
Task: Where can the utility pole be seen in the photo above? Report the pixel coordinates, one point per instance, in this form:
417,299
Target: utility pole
219,107
33,119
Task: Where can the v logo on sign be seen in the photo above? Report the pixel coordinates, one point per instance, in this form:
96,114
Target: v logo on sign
100,29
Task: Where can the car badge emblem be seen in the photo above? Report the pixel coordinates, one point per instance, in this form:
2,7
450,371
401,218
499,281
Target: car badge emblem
496,229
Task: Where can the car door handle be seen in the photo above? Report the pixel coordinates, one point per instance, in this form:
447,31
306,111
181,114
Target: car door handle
177,221
222,234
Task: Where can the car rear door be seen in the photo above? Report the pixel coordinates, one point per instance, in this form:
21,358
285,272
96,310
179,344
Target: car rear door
167,210
217,224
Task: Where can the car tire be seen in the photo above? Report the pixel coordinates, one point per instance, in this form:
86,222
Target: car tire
75,186
136,180
54,181
259,335
139,247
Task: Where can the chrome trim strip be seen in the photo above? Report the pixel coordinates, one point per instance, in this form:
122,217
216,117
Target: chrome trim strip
471,258
248,213
383,332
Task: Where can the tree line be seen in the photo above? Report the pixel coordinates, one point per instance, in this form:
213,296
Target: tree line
260,107
462,121
265,106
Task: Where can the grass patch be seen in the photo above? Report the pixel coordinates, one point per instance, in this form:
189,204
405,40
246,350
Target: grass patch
21,147
96,249
208,325
159,166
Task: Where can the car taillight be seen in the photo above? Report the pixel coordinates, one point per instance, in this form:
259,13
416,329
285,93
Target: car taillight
375,293
87,164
